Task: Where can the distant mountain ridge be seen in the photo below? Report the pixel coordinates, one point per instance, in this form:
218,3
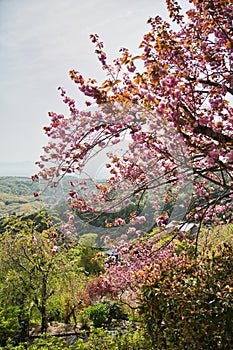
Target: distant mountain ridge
21,169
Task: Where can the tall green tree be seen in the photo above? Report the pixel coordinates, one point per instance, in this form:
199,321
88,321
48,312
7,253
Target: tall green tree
33,263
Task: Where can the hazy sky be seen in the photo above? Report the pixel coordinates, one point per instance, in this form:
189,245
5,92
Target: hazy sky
40,41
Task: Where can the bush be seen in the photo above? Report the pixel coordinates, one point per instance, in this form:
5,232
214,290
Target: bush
98,314
106,312
191,306
115,311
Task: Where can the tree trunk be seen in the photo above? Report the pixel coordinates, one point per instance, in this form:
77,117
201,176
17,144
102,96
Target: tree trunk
44,319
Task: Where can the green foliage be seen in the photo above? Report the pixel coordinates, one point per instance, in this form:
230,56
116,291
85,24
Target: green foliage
133,340
55,309
115,311
191,306
105,312
99,339
211,237
11,346
8,322
99,314
34,266
88,239
84,320
87,260
48,343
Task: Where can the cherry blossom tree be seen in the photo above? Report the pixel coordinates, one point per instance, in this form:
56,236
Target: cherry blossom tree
123,278
163,121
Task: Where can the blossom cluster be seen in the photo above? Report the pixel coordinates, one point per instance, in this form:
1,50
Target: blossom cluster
172,104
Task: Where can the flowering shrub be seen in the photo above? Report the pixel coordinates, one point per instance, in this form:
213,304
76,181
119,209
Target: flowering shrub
124,278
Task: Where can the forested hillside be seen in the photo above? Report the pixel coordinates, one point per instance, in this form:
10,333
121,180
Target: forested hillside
17,196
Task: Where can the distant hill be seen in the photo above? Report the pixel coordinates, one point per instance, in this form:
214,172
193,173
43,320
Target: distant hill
17,196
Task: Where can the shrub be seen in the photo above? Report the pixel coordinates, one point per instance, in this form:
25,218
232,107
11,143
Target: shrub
191,306
99,314
115,311
105,312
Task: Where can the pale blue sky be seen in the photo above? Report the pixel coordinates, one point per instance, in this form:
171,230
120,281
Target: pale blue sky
40,41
